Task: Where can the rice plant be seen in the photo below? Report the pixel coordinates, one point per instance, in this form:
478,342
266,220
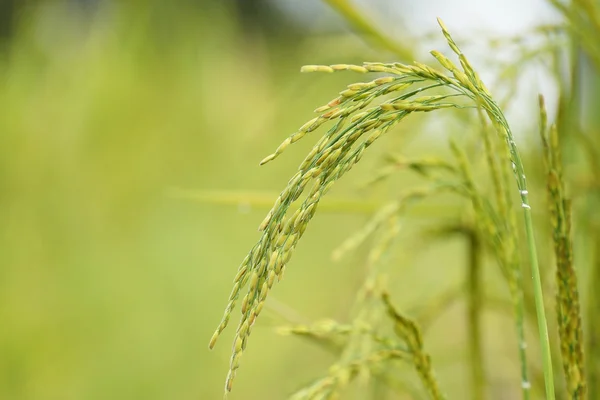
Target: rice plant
358,117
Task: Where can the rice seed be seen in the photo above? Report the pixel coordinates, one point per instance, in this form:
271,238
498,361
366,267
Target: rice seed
443,60
358,68
449,39
265,221
316,68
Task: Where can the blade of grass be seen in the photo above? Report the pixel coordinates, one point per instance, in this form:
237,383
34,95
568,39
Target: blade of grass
361,24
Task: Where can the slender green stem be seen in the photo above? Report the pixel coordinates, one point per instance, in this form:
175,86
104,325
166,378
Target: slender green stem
535,269
507,253
539,305
497,116
475,307
519,312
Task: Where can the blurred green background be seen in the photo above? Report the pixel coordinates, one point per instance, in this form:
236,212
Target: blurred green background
115,118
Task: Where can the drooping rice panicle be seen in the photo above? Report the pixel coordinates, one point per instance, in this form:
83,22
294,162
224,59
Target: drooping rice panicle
357,124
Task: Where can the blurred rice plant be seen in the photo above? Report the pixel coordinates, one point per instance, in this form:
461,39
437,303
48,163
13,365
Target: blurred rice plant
101,288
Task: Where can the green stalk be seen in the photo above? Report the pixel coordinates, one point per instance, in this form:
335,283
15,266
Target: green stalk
508,253
539,305
519,172
474,315
497,117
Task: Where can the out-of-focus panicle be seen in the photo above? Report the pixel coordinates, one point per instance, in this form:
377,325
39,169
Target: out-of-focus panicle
364,352
410,333
568,309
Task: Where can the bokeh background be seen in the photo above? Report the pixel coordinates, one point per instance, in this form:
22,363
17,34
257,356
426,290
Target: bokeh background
130,135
